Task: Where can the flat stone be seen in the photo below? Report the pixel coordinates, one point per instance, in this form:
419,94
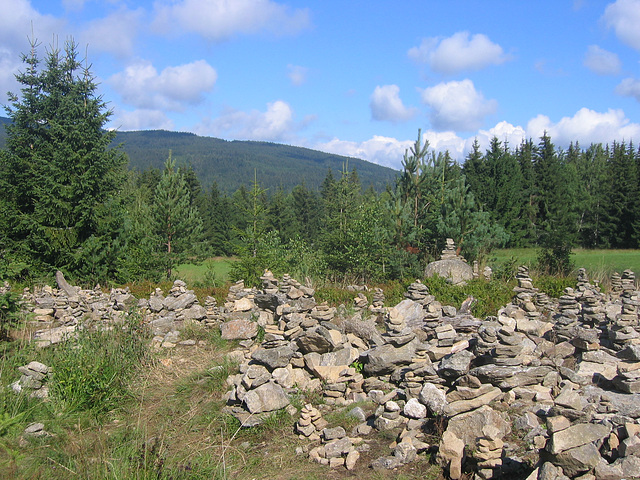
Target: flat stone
273,358
238,329
461,406
469,426
576,436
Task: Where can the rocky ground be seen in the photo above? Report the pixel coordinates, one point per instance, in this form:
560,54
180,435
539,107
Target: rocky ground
547,389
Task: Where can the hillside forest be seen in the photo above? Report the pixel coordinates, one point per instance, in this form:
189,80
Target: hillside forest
70,202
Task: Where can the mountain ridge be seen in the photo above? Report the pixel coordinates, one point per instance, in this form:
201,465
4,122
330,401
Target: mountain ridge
232,163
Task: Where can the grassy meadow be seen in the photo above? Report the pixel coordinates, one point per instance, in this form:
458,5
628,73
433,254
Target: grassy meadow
600,264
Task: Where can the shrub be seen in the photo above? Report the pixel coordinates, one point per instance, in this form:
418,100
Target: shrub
9,313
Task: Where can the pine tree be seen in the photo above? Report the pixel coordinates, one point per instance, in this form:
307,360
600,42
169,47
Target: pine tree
177,222
59,174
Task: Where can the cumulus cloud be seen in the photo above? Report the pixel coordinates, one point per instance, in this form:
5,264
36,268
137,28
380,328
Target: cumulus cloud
115,33
457,106
218,20
17,22
601,61
274,124
629,87
509,134
142,86
386,105
624,17
458,53
297,74
389,151
143,119
586,126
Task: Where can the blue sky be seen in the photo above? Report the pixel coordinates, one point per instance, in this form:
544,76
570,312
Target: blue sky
352,77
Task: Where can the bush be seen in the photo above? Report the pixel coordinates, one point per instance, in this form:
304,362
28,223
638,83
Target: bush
9,313
556,259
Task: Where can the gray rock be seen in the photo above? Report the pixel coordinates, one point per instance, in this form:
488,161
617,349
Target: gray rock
414,409
454,270
434,398
578,460
195,312
266,398
626,467
577,435
336,448
162,325
273,358
455,365
468,426
385,358
508,377
412,313
316,340
183,301
333,433
239,329
548,471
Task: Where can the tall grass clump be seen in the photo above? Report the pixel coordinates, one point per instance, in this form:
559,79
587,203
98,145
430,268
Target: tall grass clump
92,371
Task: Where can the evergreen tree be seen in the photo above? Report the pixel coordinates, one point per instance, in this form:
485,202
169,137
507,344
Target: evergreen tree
177,222
556,211
216,214
58,172
623,223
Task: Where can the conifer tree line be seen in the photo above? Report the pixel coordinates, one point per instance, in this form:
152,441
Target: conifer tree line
68,201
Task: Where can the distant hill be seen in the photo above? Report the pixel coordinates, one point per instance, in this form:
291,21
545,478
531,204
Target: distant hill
232,163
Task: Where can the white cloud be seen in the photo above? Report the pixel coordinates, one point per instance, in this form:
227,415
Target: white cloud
386,105
142,119
586,126
18,22
458,53
142,86
624,17
275,124
115,33
507,133
219,20
457,106
385,151
601,61
297,74
629,87
388,151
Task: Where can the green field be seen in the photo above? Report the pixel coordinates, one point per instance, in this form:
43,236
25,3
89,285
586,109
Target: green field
599,263
214,269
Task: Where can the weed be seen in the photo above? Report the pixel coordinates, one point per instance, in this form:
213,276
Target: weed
91,371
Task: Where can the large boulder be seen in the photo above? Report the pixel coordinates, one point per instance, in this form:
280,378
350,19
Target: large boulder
385,358
454,270
266,398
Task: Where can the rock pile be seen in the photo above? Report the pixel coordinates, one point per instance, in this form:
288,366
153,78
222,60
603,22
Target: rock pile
33,380
547,388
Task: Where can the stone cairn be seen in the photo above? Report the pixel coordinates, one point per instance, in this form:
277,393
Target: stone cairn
504,388
33,379
450,252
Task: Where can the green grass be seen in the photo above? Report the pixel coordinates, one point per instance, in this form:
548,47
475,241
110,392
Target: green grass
211,272
599,263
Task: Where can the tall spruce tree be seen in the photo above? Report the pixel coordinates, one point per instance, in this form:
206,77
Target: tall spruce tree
58,172
177,222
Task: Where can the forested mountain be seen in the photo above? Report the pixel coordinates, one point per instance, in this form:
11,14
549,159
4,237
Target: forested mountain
233,163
